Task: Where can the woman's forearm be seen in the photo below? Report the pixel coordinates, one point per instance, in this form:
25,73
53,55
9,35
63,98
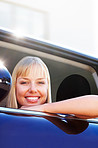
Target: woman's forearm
83,106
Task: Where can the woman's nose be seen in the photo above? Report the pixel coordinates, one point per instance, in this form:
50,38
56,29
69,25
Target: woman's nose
32,88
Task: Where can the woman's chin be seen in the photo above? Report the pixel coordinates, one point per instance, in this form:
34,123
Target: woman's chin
31,104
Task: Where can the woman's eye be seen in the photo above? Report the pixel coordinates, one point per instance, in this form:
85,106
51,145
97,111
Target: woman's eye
41,82
24,82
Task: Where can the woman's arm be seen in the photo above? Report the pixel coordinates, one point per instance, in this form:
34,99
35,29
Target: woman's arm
80,106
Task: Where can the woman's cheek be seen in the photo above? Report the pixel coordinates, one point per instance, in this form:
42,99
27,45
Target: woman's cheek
43,90
20,90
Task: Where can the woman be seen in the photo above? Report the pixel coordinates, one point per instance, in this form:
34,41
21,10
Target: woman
31,91
30,72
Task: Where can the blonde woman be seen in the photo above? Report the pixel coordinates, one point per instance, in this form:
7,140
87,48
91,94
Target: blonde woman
31,90
30,83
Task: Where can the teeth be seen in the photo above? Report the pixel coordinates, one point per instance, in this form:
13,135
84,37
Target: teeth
32,98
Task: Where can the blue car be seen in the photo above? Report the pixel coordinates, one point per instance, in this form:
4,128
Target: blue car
72,74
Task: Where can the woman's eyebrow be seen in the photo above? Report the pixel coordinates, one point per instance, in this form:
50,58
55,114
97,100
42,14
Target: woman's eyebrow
41,78
26,78
22,78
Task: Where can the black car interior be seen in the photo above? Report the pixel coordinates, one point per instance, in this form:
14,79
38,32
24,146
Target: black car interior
71,74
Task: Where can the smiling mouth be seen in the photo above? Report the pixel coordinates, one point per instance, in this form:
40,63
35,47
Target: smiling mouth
32,99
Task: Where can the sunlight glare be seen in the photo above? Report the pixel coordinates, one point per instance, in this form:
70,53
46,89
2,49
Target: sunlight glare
18,33
1,64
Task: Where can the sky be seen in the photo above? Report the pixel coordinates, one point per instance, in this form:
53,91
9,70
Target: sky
72,24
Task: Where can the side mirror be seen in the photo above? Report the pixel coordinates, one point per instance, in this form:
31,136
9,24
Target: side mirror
5,82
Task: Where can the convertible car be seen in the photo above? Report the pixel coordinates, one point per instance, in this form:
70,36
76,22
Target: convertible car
72,74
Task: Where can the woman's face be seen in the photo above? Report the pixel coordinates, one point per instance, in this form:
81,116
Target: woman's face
31,89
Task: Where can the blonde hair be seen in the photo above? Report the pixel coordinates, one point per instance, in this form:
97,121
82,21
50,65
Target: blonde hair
22,69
